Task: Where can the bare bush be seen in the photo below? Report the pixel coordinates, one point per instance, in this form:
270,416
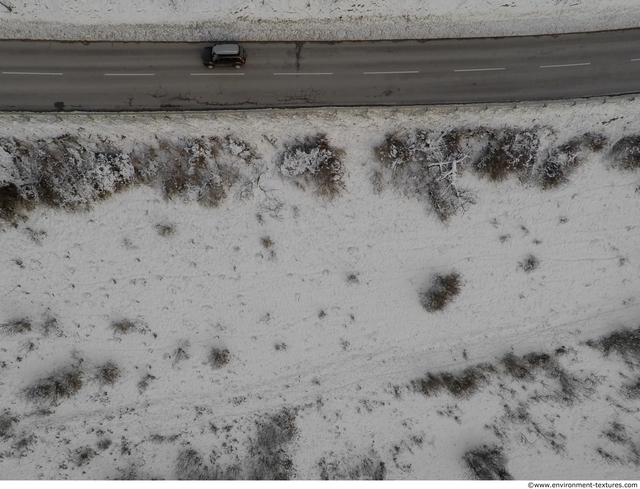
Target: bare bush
624,342
529,264
51,327
462,385
82,456
632,390
425,166
108,373
369,467
267,242
441,292
125,326
51,390
165,230
218,358
313,161
352,279
190,466
487,463
143,385
269,458
560,162
7,422
180,353
626,153
15,327
508,152
200,170
13,205
104,443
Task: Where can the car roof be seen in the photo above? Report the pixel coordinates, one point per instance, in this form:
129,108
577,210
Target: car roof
226,49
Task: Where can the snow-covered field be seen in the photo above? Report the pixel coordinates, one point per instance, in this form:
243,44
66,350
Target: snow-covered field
282,332
306,20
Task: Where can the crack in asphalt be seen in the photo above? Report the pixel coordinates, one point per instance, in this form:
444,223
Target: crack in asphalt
298,51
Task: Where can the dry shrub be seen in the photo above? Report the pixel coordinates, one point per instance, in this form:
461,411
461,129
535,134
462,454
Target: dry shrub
529,264
314,161
441,292
425,165
63,384
12,203
624,342
487,463
632,390
508,152
526,368
83,455
104,443
560,163
180,353
196,171
594,141
626,153
143,385
269,459
266,242
190,466
218,358
165,230
108,373
15,327
50,326
369,467
124,326
462,385
7,422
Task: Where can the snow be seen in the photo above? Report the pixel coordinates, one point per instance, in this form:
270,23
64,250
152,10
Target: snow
272,267
306,20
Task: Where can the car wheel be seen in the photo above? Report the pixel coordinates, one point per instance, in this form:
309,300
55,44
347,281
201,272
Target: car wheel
237,66
210,67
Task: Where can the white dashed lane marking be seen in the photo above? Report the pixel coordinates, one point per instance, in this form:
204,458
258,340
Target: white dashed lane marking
388,72
479,69
565,66
29,73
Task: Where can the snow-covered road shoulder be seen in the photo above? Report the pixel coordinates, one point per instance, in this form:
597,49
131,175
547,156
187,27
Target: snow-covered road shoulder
302,20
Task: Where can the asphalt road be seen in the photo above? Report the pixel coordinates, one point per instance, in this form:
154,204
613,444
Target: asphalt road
50,76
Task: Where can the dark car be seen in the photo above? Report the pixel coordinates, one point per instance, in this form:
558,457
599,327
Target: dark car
224,54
